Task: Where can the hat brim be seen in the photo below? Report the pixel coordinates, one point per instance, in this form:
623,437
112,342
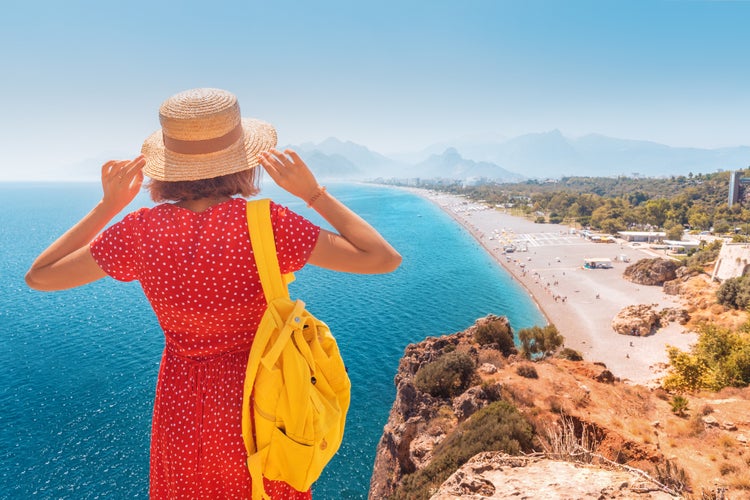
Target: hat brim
165,165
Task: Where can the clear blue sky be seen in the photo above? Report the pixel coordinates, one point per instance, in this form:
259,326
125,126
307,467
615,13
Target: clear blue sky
85,78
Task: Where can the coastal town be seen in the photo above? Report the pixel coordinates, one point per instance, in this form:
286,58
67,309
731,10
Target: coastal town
606,423
577,283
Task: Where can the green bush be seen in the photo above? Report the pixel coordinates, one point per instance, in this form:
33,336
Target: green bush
720,358
496,331
570,354
539,340
449,375
679,405
734,293
527,371
496,427
555,218
705,255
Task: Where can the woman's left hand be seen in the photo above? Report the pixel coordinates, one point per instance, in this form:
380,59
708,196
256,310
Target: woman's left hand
121,181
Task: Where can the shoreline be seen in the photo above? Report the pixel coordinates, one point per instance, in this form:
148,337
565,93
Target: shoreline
580,302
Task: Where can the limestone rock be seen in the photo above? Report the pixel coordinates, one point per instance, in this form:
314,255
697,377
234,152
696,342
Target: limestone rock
673,287
710,421
496,475
488,368
729,426
675,314
474,399
411,432
639,320
653,272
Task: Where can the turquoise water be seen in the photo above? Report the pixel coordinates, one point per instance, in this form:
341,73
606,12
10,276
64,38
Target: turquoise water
79,367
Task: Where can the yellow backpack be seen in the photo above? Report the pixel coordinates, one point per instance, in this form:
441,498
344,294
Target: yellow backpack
295,380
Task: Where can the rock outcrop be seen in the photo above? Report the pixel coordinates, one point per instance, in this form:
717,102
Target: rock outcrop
639,320
652,272
644,319
497,475
682,276
419,423
413,428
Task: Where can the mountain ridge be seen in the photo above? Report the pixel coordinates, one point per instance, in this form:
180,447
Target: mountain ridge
542,155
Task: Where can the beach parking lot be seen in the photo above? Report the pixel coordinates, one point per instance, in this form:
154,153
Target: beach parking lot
548,260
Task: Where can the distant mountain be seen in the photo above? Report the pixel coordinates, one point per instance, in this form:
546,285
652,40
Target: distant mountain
477,147
539,155
536,156
332,165
335,158
551,154
451,165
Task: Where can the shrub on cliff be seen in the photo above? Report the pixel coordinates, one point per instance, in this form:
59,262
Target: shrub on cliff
570,354
527,371
496,427
539,341
720,358
734,293
496,330
449,375
705,255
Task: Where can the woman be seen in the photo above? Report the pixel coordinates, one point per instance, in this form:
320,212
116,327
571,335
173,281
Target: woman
194,260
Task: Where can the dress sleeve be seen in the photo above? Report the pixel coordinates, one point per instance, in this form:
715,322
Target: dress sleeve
116,249
295,238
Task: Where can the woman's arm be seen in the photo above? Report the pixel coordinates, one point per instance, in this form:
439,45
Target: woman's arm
67,262
358,247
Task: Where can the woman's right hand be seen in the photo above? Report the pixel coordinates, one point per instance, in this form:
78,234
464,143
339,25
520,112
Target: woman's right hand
121,181
291,173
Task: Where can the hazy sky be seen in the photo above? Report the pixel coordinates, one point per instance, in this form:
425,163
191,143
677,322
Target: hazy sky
85,79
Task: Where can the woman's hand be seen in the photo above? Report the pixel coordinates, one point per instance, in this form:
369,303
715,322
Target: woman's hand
356,247
68,262
291,173
121,181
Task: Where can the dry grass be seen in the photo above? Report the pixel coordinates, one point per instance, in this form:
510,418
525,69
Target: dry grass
726,441
562,443
740,481
521,395
492,357
640,429
443,422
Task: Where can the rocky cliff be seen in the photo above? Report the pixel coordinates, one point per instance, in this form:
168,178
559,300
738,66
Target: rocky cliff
574,427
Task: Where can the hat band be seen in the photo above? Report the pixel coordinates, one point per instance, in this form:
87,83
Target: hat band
204,146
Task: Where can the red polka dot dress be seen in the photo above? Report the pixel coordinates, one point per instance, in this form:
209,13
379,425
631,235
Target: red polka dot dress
198,273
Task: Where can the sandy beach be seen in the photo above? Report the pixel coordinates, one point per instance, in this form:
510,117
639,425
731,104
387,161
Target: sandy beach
579,302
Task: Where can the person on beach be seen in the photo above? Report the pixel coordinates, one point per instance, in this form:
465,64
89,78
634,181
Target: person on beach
193,258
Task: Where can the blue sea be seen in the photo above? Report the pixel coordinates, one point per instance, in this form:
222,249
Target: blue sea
79,367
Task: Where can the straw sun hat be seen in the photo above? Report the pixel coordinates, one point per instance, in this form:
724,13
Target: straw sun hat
204,136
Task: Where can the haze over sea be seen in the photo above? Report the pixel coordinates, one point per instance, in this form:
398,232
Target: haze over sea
79,367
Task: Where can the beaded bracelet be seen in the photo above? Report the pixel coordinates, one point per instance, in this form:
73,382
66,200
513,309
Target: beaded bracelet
320,191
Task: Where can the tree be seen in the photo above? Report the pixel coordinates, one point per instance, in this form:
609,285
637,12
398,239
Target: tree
721,226
674,231
720,358
655,211
539,340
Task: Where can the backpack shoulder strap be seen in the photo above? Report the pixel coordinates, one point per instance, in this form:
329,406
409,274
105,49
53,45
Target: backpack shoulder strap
264,249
